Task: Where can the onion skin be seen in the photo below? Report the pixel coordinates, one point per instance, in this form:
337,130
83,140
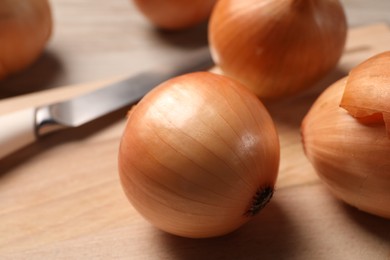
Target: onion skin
199,156
350,157
367,91
25,28
277,48
176,14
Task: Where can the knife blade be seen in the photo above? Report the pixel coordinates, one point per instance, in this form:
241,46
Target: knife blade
23,127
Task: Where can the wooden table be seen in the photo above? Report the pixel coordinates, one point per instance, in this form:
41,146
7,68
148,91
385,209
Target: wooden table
61,198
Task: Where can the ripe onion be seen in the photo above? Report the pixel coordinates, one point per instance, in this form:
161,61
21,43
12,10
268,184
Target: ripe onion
25,27
351,157
199,155
277,48
370,80
176,14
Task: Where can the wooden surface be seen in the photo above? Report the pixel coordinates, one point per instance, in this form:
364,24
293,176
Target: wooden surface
61,198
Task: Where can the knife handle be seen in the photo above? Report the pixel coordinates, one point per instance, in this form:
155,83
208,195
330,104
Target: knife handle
17,129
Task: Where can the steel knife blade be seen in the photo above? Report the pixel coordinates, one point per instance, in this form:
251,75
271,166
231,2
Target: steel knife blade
26,126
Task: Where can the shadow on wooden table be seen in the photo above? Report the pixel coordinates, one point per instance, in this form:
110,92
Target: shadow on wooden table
266,236
293,226
194,37
38,76
376,226
291,110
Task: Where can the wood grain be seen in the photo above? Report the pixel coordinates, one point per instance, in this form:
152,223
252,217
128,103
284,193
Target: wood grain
61,198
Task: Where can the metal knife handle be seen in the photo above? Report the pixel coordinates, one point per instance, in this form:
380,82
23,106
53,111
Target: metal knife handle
17,129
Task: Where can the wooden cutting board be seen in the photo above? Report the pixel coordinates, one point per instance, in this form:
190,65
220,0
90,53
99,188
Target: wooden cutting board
61,198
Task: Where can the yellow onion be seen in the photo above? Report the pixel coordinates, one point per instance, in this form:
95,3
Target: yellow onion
175,14
25,27
277,48
367,92
351,157
199,155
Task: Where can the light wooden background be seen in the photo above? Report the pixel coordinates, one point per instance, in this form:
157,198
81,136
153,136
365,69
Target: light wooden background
61,198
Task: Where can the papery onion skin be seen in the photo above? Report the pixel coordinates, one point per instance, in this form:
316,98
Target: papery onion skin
367,91
176,14
25,28
199,155
350,157
277,48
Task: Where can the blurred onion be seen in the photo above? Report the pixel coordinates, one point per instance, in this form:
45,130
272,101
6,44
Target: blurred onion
277,48
25,27
176,14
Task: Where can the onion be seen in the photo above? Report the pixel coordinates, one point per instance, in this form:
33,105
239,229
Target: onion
367,91
277,48
25,27
350,157
176,14
199,155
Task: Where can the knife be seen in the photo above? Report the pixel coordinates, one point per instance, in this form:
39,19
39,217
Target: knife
20,128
